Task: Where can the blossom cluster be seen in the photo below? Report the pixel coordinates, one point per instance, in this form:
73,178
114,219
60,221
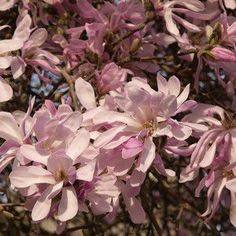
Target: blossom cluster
126,109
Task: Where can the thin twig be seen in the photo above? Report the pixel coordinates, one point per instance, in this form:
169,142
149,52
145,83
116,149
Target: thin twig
70,83
139,27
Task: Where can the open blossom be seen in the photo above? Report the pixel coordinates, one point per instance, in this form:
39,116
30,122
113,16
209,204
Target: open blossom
106,134
192,9
146,115
62,162
215,152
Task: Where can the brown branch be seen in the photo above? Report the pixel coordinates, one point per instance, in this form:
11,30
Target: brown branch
149,211
70,83
11,204
139,27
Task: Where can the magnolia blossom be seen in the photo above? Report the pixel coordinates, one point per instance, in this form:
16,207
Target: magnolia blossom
146,115
215,152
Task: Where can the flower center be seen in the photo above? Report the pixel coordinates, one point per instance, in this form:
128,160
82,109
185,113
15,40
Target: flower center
61,175
228,174
150,126
229,121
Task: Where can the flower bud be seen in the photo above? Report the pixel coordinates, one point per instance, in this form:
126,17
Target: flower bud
223,54
135,45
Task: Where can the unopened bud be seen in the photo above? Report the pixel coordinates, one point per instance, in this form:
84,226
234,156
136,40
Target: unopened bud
135,45
223,54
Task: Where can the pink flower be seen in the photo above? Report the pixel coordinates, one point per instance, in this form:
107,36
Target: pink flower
146,115
191,8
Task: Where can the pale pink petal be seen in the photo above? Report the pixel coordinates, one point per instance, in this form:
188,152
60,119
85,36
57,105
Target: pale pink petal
135,209
108,135
38,37
85,93
162,84
23,31
59,161
25,176
86,172
170,24
17,67
42,206
147,156
6,4
30,152
190,27
41,209
123,166
68,206
79,143
232,215
9,45
230,4
9,128
112,116
184,95
231,185
6,91
5,62
137,178
174,86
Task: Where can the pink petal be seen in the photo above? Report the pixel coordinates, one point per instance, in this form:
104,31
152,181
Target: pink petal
38,37
9,128
86,172
6,4
42,207
6,91
233,209
147,156
137,178
135,209
174,86
5,62
68,206
162,84
23,31
5,160
112,116
108,135
25,176
17,67
231,185
170,24
30,152
79,143
85,93
59,161
184,95
9,45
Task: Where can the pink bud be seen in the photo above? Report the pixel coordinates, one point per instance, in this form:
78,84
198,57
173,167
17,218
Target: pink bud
223,54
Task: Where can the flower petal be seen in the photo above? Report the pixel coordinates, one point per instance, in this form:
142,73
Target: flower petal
25,176
147,156
6,91
85,93
9,128
79,143
68,206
